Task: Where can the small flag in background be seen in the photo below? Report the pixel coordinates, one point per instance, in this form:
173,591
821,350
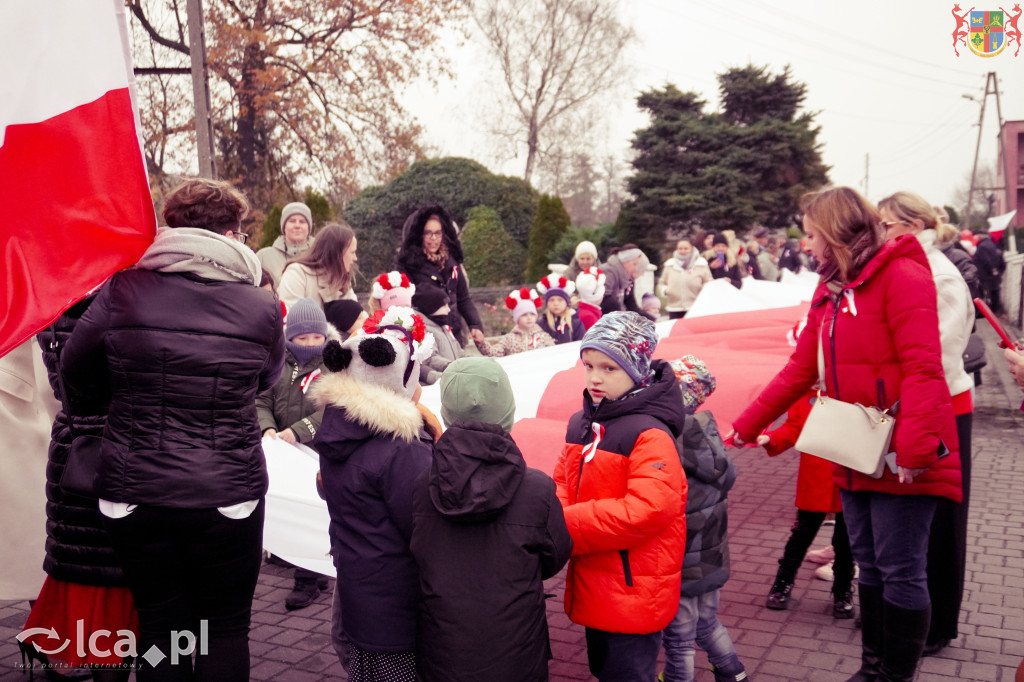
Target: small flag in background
75,204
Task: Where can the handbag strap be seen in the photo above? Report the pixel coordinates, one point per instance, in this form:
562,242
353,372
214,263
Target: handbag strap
821,360
55,346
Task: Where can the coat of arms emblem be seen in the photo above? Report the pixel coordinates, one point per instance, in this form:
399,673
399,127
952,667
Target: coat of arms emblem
986,32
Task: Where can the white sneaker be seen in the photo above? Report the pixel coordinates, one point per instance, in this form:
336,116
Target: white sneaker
821,556
824,572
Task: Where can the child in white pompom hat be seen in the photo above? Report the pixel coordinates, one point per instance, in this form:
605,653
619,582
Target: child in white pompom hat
590,289
558,318
527,334
391,288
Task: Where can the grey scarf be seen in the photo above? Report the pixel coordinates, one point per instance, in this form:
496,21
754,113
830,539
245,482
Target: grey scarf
202,253
686,263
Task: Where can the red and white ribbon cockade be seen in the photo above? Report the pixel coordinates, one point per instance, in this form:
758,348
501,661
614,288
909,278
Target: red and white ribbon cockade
591,450
308,379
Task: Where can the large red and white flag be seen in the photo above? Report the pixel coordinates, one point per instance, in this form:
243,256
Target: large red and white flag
75,204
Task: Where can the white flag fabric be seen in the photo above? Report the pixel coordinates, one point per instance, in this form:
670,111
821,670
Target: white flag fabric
743,349
73,182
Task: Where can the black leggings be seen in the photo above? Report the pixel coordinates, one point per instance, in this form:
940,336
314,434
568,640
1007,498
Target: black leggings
191,570
800,538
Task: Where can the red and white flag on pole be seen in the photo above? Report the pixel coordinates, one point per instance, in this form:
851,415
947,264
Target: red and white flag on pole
75,203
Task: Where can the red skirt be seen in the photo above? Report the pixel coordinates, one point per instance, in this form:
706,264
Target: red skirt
76,612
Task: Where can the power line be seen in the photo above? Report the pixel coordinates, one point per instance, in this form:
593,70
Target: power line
827,50
820,28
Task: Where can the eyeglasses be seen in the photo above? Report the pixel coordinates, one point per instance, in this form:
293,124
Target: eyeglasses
432,233
887,224
240,236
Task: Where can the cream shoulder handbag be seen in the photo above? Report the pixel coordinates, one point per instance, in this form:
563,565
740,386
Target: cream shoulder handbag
849,434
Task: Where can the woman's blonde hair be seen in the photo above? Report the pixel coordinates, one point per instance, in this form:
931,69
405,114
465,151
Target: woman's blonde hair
851,227
910,207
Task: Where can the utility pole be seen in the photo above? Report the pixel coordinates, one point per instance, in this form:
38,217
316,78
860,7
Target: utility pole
991,87
200,88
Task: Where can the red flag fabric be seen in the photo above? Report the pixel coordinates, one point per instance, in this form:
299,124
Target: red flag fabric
73,185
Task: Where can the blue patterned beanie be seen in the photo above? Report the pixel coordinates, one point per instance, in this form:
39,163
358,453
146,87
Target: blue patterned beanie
628,339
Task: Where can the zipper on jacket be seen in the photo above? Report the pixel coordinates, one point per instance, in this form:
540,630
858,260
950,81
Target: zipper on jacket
832,345
579,474
626,571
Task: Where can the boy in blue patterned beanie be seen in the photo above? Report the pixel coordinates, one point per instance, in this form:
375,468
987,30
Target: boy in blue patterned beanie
621,484
628,339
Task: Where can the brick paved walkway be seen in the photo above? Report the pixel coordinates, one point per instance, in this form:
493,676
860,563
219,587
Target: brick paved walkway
803,643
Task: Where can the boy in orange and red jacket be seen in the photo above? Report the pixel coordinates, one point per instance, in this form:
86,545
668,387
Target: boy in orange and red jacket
621,483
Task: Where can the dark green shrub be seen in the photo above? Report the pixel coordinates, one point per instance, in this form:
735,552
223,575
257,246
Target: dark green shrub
550,223
493,257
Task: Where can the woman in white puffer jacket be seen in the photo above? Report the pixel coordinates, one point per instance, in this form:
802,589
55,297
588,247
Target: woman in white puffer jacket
907,213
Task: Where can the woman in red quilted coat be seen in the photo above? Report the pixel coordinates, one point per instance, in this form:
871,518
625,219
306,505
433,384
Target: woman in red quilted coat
875,313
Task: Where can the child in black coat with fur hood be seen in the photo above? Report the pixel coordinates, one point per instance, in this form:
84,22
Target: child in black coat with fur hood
373,445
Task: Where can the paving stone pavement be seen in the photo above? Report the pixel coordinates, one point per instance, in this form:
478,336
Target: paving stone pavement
802,643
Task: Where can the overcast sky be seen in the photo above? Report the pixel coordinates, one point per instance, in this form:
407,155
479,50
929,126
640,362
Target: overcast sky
883,76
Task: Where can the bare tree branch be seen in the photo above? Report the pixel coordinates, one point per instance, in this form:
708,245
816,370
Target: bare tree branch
554,56
136,7
299,91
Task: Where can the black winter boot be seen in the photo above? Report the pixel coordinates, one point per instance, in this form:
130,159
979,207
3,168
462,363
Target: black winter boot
303,594
842,604
872,613
778,597
906,632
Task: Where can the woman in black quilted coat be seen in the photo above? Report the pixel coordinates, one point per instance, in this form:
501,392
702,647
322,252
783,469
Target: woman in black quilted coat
84,577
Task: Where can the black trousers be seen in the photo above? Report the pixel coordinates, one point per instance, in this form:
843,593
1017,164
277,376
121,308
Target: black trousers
947,548
800,538
617,657
191,571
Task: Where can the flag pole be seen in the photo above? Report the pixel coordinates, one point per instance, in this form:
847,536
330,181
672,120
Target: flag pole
200,88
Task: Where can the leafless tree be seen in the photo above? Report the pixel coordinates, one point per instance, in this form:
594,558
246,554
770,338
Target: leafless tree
554,56
301,91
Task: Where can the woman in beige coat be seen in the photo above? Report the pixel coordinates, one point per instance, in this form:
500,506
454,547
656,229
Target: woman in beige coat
27,408
682,277
324,273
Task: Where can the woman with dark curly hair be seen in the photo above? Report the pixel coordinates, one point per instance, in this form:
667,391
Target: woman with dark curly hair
431,255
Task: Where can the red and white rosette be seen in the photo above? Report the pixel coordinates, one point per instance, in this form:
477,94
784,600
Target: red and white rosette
556,282
408,319
391,280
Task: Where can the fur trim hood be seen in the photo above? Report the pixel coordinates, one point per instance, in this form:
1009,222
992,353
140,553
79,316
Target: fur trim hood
377,410
412,232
